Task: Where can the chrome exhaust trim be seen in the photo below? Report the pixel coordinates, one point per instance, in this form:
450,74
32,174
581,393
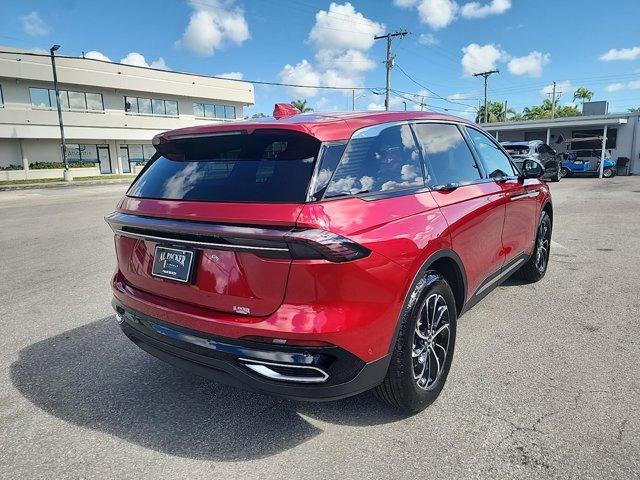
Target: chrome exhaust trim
267,369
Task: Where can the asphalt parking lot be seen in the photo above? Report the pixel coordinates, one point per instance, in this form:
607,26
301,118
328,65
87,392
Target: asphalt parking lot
545,379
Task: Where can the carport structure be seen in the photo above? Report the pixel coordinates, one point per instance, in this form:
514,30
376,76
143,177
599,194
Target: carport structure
616,133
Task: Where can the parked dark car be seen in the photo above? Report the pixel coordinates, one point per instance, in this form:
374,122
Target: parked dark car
539,151
319,256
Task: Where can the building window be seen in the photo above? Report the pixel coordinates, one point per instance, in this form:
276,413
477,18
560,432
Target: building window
80,153
148,106
590,140
77,101
209,110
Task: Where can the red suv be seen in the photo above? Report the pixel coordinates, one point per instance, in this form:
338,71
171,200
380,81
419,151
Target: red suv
319,256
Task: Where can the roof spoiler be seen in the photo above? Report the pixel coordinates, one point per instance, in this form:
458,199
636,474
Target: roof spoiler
284,110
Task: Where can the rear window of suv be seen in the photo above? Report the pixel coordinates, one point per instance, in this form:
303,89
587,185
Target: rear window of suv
237,167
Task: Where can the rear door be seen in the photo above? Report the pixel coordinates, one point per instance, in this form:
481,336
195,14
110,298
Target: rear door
521,206
230,199
473,206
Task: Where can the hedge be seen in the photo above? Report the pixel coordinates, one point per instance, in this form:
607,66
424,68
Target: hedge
45,165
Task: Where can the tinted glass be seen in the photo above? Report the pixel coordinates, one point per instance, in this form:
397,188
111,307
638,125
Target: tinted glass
73,152
517,149
39,97
447,155
89,153
229,112
77,101
219,111
198,110
148,151
257,167
209,111
171,107
158,106
378,159
131,104
135,153
330,155
94,101
495,161
144,106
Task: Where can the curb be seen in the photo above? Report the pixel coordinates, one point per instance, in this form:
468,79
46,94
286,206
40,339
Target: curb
31,186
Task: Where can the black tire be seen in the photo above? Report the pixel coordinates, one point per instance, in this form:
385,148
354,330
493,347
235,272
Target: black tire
536,267
557,176
565,172
401,388
608,172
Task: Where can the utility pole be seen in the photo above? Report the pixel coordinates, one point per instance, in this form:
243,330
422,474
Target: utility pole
505,110
389,61
554,93
422,104
486,76
67,174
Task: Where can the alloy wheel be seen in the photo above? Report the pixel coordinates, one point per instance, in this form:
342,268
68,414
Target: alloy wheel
542,250
431,341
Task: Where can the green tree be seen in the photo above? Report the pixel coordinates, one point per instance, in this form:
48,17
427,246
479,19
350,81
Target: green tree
538,112
584,94
301,105
497,112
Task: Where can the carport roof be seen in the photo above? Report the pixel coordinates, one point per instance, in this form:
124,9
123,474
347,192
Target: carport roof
586,121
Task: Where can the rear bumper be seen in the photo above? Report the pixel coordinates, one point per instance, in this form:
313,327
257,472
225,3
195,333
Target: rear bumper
300,373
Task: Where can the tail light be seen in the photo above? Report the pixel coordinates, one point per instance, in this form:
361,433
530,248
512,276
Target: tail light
320,244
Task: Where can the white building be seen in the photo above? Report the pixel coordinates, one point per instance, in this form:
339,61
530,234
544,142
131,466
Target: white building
110,112
616,134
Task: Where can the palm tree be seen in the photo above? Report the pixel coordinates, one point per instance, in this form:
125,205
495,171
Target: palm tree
584,94
301,105
496,112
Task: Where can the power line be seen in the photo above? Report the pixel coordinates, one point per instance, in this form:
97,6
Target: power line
256,82
429,90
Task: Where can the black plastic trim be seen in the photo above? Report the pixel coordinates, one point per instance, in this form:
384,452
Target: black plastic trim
348,375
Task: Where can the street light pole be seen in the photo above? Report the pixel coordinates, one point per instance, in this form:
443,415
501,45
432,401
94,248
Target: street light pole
67,174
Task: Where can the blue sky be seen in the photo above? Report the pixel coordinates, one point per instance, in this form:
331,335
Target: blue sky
319,43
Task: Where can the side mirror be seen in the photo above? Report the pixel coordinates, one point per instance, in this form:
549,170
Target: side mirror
532,169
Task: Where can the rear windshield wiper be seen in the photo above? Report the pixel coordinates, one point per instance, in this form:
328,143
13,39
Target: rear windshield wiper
361,192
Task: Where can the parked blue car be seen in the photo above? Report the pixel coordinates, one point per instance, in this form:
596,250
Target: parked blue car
589,164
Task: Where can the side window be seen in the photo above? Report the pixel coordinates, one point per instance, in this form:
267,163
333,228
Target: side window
378,159
447,154
496,163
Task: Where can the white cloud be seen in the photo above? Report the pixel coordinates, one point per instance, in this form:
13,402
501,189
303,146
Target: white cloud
342,27
137,59
634,84
33,25
231,75
456,97
428,39
477,10
159,64
302,73
95,55
614,87
437,13
530,65
621,54
561,87
342,37
479,58
212,25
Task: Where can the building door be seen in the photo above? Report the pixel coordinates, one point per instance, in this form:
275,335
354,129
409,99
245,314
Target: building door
104,159
126,161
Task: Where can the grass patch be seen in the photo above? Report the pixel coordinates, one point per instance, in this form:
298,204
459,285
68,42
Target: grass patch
60,180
